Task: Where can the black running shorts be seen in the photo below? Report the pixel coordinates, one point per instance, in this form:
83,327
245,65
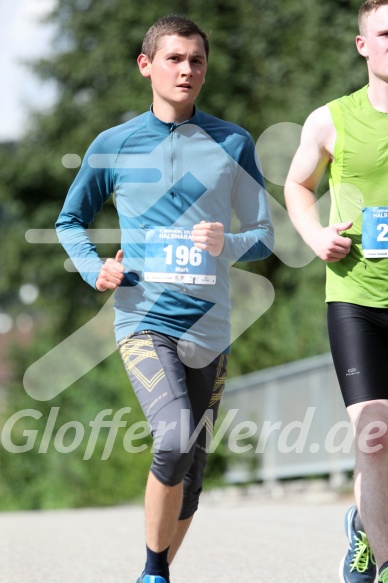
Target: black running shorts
359,345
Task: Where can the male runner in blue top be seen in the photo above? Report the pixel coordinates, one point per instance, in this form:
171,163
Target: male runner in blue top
176,174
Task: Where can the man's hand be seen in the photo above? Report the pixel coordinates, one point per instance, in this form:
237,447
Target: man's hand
329,245
209,236
111,274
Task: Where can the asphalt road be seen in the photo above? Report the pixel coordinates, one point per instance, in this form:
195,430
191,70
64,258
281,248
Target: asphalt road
234,542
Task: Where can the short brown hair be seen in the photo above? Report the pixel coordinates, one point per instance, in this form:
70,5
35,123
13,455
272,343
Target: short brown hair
168,26
366,8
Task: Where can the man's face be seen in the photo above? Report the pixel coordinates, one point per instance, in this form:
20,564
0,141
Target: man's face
374,44
177,71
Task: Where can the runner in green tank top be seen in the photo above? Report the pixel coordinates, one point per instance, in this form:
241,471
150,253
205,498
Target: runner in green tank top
358,175
349,137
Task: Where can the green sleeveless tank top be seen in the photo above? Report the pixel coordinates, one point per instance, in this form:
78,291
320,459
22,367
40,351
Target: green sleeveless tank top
358,178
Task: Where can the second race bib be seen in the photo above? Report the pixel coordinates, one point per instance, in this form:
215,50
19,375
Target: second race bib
375,232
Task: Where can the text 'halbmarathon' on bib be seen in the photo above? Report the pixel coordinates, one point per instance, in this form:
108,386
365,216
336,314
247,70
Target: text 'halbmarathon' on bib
171,257
375,232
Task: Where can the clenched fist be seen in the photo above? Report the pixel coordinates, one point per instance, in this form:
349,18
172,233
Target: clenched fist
209,236
112,273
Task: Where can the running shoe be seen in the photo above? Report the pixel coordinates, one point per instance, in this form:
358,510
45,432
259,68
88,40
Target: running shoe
383,577
358,565
150,579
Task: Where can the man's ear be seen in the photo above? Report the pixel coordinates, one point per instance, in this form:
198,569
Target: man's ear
144,65
362,45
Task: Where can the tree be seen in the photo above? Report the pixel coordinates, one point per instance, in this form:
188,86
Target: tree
269,63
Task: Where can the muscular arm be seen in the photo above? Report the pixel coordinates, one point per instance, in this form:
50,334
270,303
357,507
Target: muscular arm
307,168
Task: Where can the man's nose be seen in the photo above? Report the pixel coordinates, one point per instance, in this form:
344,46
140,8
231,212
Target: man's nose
187,69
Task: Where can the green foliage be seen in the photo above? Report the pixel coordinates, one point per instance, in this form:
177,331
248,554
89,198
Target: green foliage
270,62
58,469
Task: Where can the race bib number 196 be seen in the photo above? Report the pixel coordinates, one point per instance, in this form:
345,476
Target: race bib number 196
375,232
171,257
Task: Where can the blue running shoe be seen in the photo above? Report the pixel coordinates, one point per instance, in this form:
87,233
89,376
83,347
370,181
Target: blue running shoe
358,565
151,579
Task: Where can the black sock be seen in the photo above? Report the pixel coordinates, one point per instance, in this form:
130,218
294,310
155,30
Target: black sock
157,564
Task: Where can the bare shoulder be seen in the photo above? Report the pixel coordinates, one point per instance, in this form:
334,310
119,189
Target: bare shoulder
315,151
319,128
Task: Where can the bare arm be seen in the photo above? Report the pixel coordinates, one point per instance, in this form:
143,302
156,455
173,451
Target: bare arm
307,168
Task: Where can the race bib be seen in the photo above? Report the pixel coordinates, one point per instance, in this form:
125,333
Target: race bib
171,257
375,232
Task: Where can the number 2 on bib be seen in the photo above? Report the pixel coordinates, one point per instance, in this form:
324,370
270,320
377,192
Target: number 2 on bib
384,232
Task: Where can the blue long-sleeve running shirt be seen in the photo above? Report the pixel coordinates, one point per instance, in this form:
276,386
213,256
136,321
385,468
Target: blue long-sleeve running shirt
165,178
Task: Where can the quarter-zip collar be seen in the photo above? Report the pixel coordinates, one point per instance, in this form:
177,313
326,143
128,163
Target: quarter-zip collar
167,127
